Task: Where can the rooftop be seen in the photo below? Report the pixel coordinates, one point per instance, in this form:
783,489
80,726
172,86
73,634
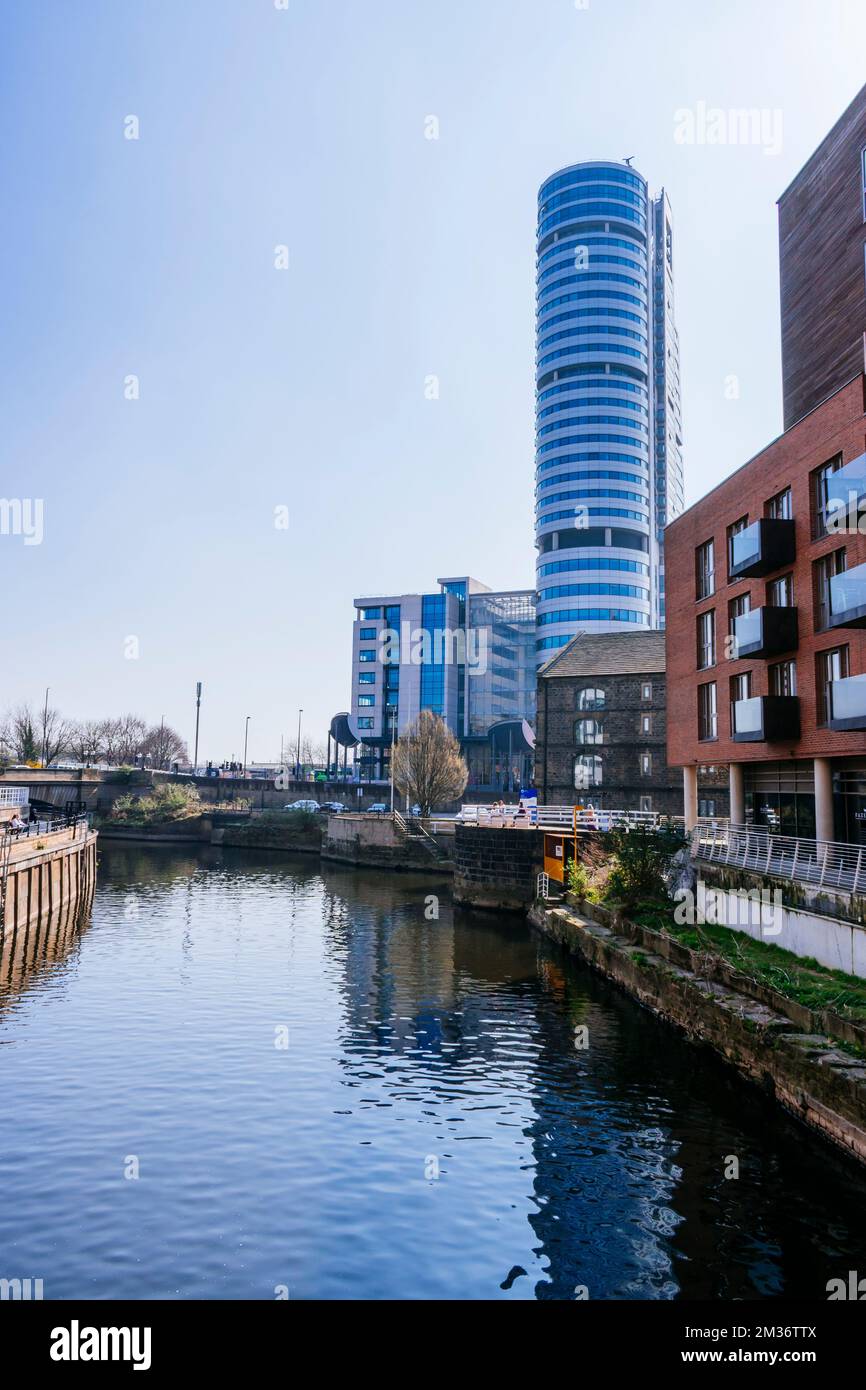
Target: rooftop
608,654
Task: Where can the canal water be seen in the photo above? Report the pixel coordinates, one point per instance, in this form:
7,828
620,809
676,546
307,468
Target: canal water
252,1076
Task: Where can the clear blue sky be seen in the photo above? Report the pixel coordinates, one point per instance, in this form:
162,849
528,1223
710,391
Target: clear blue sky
304,388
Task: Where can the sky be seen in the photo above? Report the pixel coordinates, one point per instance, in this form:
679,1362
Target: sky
218,335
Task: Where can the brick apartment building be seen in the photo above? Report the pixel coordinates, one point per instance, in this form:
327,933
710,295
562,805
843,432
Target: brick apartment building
601,725
766,575
766,648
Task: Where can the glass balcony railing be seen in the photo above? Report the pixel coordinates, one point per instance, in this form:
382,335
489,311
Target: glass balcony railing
848,703
764,546
847,487
765,632
848,598
766,719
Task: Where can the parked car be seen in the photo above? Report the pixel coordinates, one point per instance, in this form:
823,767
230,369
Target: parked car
378,808
335,808
303,805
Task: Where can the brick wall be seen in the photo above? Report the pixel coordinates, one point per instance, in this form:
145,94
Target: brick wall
836,427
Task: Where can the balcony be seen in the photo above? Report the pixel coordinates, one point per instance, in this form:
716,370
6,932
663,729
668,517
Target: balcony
848,598
848,703
847,487
764,546
766,632
766,719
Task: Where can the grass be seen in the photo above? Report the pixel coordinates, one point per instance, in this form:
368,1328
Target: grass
797,978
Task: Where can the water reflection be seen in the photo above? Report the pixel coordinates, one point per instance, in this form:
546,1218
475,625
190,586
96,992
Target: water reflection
431,1131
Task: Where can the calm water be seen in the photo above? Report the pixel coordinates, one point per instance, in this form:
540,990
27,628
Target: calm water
153,1035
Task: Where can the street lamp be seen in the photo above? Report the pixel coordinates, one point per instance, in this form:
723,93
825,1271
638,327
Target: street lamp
45,728
246,736
197,708
300,712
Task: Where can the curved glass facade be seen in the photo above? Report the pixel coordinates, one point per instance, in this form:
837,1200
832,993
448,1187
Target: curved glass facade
597,377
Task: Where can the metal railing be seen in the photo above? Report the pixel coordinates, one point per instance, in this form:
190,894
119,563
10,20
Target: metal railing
43,826
825,863
566,818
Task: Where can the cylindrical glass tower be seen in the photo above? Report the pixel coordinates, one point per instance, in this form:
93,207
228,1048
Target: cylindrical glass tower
597,561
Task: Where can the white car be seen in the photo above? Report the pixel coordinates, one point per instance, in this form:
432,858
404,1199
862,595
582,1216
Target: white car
303,806
378,808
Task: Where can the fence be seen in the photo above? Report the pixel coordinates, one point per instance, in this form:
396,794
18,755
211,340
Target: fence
825,863
567,818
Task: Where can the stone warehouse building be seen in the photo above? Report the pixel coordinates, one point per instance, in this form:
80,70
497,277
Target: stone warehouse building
601,730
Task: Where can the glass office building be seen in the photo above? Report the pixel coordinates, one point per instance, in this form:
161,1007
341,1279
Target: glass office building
467,654
608,413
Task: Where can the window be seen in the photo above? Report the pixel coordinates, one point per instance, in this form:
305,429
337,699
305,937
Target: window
737,607
646,692
365,722
646,723
587,771
708,718
705,570
646,803
646,764
369,655
392,615
780,508
780,592
820,479
783,678
365,701
589,731
735,530
831,665
823,571
706,807
367,634
590,698
706,631
367,678
741,689
368,613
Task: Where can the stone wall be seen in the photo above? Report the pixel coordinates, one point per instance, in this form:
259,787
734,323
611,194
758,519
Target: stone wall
496,868
376,842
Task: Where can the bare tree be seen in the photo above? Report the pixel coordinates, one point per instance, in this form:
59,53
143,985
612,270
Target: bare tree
86,741
163,746
53,735
428,765
123,739
313,753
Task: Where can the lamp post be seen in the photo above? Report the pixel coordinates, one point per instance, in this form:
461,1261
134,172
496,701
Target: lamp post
300,712
197,708
246,736
45,729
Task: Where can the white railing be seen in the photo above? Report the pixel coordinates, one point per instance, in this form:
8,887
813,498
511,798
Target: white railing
825,863
566,818
14,796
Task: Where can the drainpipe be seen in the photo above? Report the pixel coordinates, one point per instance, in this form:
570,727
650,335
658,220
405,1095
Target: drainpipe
546,736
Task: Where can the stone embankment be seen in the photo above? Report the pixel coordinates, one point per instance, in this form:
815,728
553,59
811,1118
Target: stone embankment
818,1076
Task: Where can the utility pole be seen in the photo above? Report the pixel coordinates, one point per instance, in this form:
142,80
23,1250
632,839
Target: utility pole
300,712
45,729
246,736
197,708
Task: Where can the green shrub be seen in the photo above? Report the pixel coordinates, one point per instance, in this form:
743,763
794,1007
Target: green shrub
167,803
641,858
577,878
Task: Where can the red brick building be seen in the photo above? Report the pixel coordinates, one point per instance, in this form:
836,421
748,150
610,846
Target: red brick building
766,646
